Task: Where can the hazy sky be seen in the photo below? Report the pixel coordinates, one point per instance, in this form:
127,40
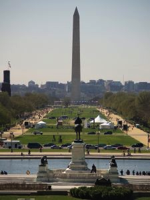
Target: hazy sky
36,37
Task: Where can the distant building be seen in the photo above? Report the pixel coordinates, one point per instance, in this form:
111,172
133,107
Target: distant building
6,87
142,86
51,84
129,86
113,86
93,82
31,84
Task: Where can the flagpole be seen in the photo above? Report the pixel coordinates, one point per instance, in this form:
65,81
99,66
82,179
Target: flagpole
9,65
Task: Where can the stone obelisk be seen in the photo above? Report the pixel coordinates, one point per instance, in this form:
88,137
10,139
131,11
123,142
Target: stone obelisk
75,85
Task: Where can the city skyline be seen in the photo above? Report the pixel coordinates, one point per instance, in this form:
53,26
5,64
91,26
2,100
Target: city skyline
36,37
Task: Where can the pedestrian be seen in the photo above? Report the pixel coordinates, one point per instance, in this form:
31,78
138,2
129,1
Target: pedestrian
88,152
29,152
133,172
139,150
128,172
93,169
134,150
121,172
124,153
40,149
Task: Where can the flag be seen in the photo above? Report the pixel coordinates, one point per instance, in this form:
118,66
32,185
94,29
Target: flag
9,64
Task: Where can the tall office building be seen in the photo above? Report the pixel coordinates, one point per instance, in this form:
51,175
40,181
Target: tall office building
6,82
75,85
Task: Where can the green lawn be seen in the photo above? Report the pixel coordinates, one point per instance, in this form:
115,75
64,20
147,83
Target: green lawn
67,131
45,197
69,138
143,198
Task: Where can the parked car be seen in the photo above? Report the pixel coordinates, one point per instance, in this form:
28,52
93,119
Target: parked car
69,147
49,144
137,145
109,147
117,145
34,145
37,133
52,117
108,133
90,146
91,133
65,145
55,147
101,145
122,148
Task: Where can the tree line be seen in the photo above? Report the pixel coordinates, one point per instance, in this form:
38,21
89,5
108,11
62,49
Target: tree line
14,108
131,106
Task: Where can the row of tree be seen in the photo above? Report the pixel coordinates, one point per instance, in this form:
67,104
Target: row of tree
15,107
134,107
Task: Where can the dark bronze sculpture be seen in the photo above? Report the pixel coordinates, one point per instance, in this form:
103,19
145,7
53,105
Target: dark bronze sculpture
113,162
78,127
44,160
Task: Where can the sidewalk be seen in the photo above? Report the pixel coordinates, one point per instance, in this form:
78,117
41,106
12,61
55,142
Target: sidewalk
19,130
65,155
133,132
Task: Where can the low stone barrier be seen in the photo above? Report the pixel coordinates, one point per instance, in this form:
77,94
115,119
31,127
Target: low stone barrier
25,186
134,187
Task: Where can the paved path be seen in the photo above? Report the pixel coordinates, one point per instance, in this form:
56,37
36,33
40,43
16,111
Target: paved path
134,132
19,130
63,155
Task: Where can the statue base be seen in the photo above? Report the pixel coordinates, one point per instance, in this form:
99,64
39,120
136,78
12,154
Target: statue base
44,174
113,175
78,163
78,141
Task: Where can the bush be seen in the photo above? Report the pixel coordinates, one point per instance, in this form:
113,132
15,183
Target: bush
102,193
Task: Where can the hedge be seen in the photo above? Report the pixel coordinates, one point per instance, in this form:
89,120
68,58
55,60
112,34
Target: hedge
102,193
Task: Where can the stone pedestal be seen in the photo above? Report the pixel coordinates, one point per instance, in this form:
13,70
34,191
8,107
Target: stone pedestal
78,164
113,175
44,174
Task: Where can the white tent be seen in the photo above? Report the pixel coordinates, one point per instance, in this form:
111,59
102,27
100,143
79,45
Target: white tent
98,120
106,125
40,124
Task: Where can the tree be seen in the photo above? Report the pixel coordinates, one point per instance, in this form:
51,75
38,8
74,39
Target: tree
66,101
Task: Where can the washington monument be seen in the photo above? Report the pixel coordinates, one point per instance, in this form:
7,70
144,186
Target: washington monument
75,90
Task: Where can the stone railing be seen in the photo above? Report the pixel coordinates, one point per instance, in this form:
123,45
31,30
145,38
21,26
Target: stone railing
24,186
135,187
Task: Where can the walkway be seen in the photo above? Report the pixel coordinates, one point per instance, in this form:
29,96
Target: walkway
19,130
133,132
67,155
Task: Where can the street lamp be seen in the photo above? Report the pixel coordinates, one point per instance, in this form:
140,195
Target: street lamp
98,141
148,139
22,128
11,137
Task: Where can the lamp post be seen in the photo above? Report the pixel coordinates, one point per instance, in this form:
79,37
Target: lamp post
22,128
11,137
98,150
148,138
